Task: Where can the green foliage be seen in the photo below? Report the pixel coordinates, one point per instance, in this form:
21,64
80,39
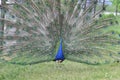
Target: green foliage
115,2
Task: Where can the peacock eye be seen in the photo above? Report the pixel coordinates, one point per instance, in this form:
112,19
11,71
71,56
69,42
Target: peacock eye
119,35
2,42
10,26
65,2
43,30
13,16
95,2
116,22
72,1
104,8
113,32
118,42
100,15
111,22
39,2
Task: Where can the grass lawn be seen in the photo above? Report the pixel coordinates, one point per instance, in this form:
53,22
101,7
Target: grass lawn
66,71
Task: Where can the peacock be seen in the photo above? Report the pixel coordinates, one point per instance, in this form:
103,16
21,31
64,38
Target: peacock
37,31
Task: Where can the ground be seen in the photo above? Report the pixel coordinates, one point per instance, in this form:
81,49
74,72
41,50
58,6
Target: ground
65,71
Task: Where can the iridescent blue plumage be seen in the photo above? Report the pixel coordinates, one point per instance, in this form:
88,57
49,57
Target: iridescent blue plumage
60,55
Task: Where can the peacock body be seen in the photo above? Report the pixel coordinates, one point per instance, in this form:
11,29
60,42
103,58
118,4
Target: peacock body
43,30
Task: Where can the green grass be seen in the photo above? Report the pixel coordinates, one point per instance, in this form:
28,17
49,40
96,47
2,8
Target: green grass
65,71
